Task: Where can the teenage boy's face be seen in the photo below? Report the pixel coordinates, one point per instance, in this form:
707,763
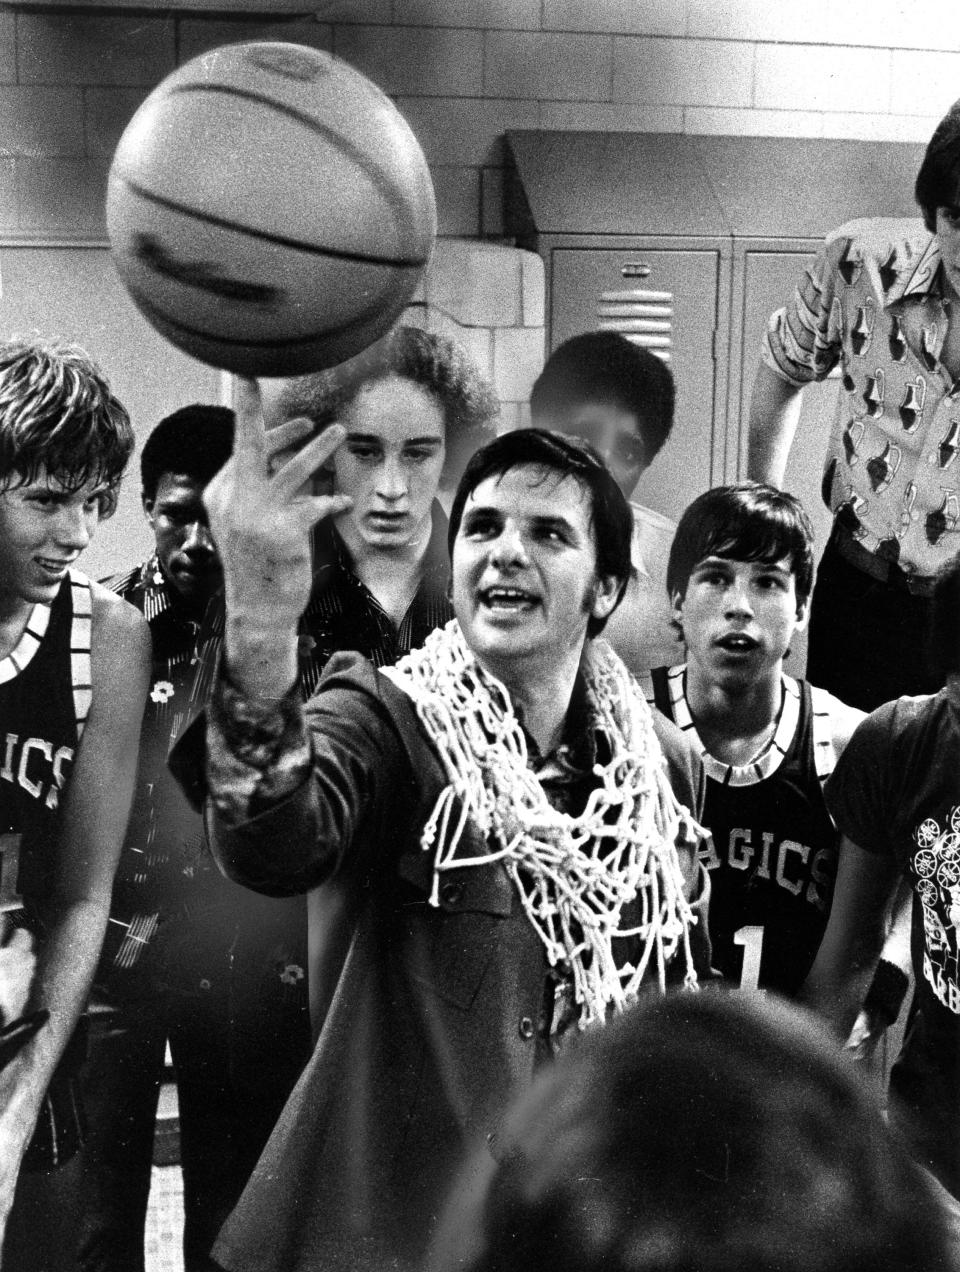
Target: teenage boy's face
43,529
739,618
390,464
612,431
185,548
948,237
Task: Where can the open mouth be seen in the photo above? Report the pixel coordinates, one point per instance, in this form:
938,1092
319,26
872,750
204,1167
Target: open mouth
507,600
386,520
57,568
737,643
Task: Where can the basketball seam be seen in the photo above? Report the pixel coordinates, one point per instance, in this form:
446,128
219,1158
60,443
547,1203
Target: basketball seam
215,338
376,175
266,235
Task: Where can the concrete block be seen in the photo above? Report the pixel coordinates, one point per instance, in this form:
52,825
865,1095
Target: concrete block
421,61
458,201
106,113
682,72
554,66
496,15
611,116
880,127
518,357
62,194
890,24
753,123
476,342
479,284
533,283
41,121
617,17
465,129
791,77
8,48
509,418
377,11
84,49
199,35
924,83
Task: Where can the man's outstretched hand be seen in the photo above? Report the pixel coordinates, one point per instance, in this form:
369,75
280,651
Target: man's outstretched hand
261,514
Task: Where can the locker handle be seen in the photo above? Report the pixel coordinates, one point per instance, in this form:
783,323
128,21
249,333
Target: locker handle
635,269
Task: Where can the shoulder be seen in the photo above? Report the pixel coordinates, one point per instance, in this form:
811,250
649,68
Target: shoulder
840,719
119,634
125,584
684,766
872,238
893,727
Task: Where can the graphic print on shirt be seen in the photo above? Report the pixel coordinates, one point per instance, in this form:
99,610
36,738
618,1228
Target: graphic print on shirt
935,866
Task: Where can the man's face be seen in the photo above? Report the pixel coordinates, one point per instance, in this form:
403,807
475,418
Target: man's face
524,571
43,529
612,431
390,464
739,618
948,237
185,550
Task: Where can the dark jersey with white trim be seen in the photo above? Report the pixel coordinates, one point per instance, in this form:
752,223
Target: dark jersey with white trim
45,698
44,702
772,850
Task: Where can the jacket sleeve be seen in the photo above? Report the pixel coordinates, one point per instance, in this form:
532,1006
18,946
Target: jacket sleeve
359,769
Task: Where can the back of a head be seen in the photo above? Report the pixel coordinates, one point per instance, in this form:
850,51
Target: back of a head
605,367
195,441
707,1132
611,517
58,414
749,521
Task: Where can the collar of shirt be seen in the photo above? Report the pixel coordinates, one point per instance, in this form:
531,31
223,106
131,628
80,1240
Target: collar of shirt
918,277
566,772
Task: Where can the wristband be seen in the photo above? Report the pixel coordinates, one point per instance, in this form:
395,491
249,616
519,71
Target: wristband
887,990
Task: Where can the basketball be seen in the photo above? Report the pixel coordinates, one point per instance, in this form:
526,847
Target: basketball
269,209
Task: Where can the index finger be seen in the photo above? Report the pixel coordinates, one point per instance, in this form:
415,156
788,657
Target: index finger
301,466
249,438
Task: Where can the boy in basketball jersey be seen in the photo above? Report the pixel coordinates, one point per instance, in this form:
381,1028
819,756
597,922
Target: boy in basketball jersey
739,576
74,661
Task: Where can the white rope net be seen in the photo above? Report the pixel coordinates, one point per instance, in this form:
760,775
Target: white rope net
575,875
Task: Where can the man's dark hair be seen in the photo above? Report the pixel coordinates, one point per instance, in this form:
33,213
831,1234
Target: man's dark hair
195,441
746,522
938,181
439,366
944,637
610,514
603,366
710,1132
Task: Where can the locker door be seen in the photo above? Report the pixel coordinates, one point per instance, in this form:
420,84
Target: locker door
666,301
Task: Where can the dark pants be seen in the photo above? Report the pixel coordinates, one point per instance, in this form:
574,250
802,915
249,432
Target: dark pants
868,638
225,1121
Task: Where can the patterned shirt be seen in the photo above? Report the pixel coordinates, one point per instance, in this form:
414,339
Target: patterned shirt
873,301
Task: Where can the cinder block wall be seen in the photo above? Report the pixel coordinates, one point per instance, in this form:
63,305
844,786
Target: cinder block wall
463,71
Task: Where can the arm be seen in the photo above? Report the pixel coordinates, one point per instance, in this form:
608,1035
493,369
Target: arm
91,824
838,980
885,995
774,412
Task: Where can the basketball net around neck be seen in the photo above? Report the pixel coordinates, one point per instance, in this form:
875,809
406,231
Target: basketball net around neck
574,874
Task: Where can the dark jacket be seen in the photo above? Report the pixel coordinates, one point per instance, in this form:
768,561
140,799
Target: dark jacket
432,1027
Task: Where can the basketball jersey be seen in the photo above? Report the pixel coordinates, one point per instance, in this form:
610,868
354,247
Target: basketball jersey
45,699
45,696
772,847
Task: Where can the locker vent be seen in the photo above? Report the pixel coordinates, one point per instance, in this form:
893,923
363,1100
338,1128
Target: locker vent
645,317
